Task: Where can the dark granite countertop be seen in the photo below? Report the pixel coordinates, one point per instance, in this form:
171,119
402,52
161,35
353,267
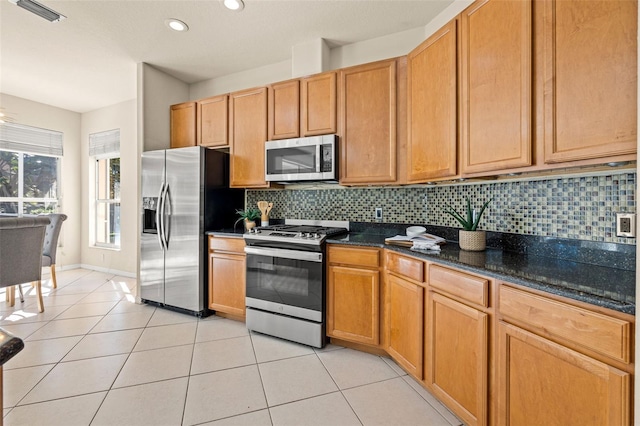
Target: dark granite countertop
10,345
228,232
598,285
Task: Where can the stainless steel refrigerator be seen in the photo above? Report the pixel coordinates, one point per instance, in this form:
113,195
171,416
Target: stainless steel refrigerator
185,193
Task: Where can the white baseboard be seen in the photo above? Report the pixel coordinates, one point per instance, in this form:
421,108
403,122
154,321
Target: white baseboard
99,269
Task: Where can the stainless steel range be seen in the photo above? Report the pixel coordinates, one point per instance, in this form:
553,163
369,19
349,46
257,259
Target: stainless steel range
285,292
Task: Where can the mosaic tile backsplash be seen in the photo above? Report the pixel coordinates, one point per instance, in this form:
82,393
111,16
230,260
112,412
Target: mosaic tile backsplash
580,208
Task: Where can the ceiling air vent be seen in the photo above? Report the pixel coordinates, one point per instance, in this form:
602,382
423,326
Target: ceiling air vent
39,9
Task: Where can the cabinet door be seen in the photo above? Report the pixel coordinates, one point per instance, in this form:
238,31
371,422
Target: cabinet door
590,79
353,304
213,121
543,383
368,124
183,125
404,304
227,283
433,107
456,354
496,85
284,110
318,105
248,133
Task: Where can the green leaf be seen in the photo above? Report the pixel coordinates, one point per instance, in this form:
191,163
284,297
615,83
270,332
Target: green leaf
465,224
484,206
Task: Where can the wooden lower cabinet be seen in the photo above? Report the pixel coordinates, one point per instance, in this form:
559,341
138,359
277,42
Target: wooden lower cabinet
544,383
404,306
353,294
456,357
227,271
353,305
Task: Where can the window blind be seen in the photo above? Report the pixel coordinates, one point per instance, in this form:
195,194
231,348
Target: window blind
32,140
104,143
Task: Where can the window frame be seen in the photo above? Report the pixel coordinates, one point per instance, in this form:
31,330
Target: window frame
21,199
98,202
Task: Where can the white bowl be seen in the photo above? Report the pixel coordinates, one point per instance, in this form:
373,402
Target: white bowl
414,231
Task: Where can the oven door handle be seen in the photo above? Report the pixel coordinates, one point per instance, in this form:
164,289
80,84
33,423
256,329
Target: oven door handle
285,254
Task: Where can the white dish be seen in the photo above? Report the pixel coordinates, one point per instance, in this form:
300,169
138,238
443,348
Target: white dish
414,231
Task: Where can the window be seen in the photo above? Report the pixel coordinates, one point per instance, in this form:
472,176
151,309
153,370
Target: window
29,169
104,147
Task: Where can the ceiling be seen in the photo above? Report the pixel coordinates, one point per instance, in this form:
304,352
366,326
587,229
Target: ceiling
88,61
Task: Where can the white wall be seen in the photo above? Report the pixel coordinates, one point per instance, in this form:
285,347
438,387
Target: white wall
68,122
125,260
390,46
242,80
159,91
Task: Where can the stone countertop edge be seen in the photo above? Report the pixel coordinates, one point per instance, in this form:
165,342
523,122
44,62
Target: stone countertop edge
10,345
551,282
237,233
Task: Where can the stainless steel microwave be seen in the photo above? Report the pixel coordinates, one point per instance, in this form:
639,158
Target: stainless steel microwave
312,158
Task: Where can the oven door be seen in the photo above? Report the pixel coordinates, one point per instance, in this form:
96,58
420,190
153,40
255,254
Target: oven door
286,282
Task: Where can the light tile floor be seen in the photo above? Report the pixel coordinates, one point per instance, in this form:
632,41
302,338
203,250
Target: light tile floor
96,358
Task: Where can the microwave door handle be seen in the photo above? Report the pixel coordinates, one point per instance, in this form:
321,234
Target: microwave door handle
318,157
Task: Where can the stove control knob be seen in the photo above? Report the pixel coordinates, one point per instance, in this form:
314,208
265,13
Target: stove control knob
316,236
300,235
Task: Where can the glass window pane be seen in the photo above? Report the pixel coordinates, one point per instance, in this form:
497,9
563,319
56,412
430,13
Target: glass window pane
9,208
40,176
108,223
39,208
101,175
114,179
8,174
108,174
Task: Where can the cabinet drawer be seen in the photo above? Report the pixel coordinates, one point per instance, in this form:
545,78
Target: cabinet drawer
354,256
468,287
606,335
405,266
235,245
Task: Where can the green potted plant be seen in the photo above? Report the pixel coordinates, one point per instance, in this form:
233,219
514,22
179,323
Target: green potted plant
469,237
249,216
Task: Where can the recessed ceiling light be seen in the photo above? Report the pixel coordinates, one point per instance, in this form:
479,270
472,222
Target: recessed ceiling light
176,25
235,5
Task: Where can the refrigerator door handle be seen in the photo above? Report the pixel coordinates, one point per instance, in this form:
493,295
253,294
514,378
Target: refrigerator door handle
165,246
166,226
159,218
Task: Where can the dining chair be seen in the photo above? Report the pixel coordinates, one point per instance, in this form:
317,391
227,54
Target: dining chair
50,246
21,242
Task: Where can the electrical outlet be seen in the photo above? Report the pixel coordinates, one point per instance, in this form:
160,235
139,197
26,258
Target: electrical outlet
378,215
626,225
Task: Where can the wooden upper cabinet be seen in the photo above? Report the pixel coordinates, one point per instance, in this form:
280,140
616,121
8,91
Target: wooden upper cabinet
432,148
496,88
284,110
212,121
367,111
318,105
183,125
590,79
247,135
